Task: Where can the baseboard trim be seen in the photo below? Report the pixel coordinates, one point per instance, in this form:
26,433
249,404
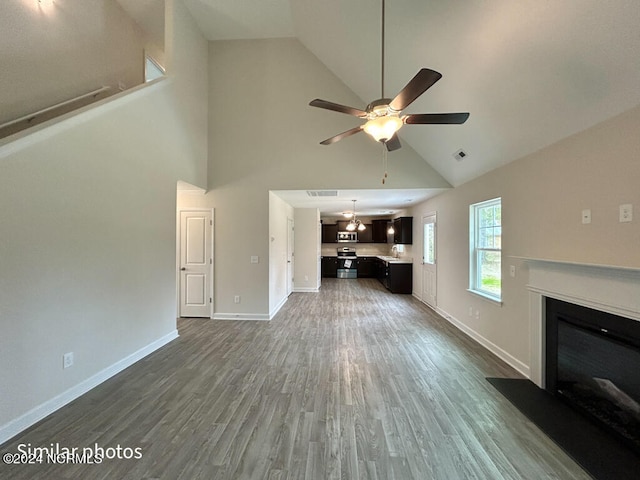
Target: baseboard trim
18,425
251,316
488,344
306,290
241,316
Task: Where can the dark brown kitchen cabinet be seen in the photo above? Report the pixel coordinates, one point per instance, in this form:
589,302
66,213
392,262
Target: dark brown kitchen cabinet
367,267
329,233
400,278
396,277
342,225
329,267
366,235
379,231
403,230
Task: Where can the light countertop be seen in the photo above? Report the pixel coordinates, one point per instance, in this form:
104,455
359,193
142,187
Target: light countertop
388,259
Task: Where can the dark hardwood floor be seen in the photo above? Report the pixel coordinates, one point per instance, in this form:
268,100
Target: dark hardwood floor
349,383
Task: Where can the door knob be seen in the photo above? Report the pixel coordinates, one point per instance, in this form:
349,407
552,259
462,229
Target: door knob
183,269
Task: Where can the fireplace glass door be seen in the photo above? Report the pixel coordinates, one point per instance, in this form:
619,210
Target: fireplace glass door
596,367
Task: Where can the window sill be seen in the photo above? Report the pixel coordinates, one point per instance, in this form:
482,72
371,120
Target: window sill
484,296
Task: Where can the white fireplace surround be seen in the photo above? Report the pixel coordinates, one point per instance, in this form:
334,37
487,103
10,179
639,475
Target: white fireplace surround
609,289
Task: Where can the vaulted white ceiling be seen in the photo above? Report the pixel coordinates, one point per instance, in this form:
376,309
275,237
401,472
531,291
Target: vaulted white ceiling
530,72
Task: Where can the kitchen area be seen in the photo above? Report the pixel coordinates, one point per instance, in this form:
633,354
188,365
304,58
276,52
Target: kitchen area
373,248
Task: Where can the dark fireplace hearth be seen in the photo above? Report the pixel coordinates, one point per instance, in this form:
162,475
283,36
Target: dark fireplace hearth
593,364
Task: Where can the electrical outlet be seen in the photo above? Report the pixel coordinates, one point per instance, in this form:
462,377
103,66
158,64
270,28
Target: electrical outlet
236,299
512,270
477,314
586,216
67,360
255,259
626,212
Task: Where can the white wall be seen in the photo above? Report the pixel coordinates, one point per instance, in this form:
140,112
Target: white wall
307,228
543,196
67,48
264,136
87,257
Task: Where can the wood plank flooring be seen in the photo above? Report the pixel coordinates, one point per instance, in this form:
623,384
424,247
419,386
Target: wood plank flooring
349,383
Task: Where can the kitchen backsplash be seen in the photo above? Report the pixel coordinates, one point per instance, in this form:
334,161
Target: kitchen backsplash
362,249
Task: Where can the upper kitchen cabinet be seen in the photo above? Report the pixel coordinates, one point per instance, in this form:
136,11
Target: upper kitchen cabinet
403,230
342,225
329,233
366,235
374,232
379,231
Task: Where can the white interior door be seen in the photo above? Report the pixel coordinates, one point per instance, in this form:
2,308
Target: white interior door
429,269
290,256
196,263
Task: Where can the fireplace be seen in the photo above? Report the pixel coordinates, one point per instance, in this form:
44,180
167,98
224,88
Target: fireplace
592,362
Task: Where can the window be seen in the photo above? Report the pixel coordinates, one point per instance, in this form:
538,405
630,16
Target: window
429,244
152,69
486,248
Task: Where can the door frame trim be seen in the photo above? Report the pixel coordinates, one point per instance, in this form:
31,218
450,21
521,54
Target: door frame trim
290,272
213,256
433,214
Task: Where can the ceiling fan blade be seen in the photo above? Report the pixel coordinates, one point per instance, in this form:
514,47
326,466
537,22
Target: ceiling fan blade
393,143
336,107
435,118
419,84
340,136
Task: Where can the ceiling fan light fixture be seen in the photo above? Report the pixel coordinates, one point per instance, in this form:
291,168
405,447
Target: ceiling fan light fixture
361,227
383,128
351,226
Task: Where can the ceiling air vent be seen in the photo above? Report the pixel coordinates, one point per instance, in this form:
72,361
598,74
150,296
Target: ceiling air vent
322,193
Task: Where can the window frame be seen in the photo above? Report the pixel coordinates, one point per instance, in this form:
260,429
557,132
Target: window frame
429,258
475,269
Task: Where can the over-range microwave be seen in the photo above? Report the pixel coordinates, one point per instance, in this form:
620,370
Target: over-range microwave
347,236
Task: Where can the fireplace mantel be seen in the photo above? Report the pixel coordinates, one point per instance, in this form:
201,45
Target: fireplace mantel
607,288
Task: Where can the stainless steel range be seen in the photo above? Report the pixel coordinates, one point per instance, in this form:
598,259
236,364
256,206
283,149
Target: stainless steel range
347,263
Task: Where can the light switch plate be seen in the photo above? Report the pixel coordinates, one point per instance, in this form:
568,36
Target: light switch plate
67,360
586,216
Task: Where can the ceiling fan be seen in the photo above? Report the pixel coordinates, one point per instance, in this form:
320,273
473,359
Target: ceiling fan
383,115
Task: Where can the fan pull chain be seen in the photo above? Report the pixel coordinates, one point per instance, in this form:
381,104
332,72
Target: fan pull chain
384,162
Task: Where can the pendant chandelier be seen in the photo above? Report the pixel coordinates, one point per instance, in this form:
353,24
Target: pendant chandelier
355,224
